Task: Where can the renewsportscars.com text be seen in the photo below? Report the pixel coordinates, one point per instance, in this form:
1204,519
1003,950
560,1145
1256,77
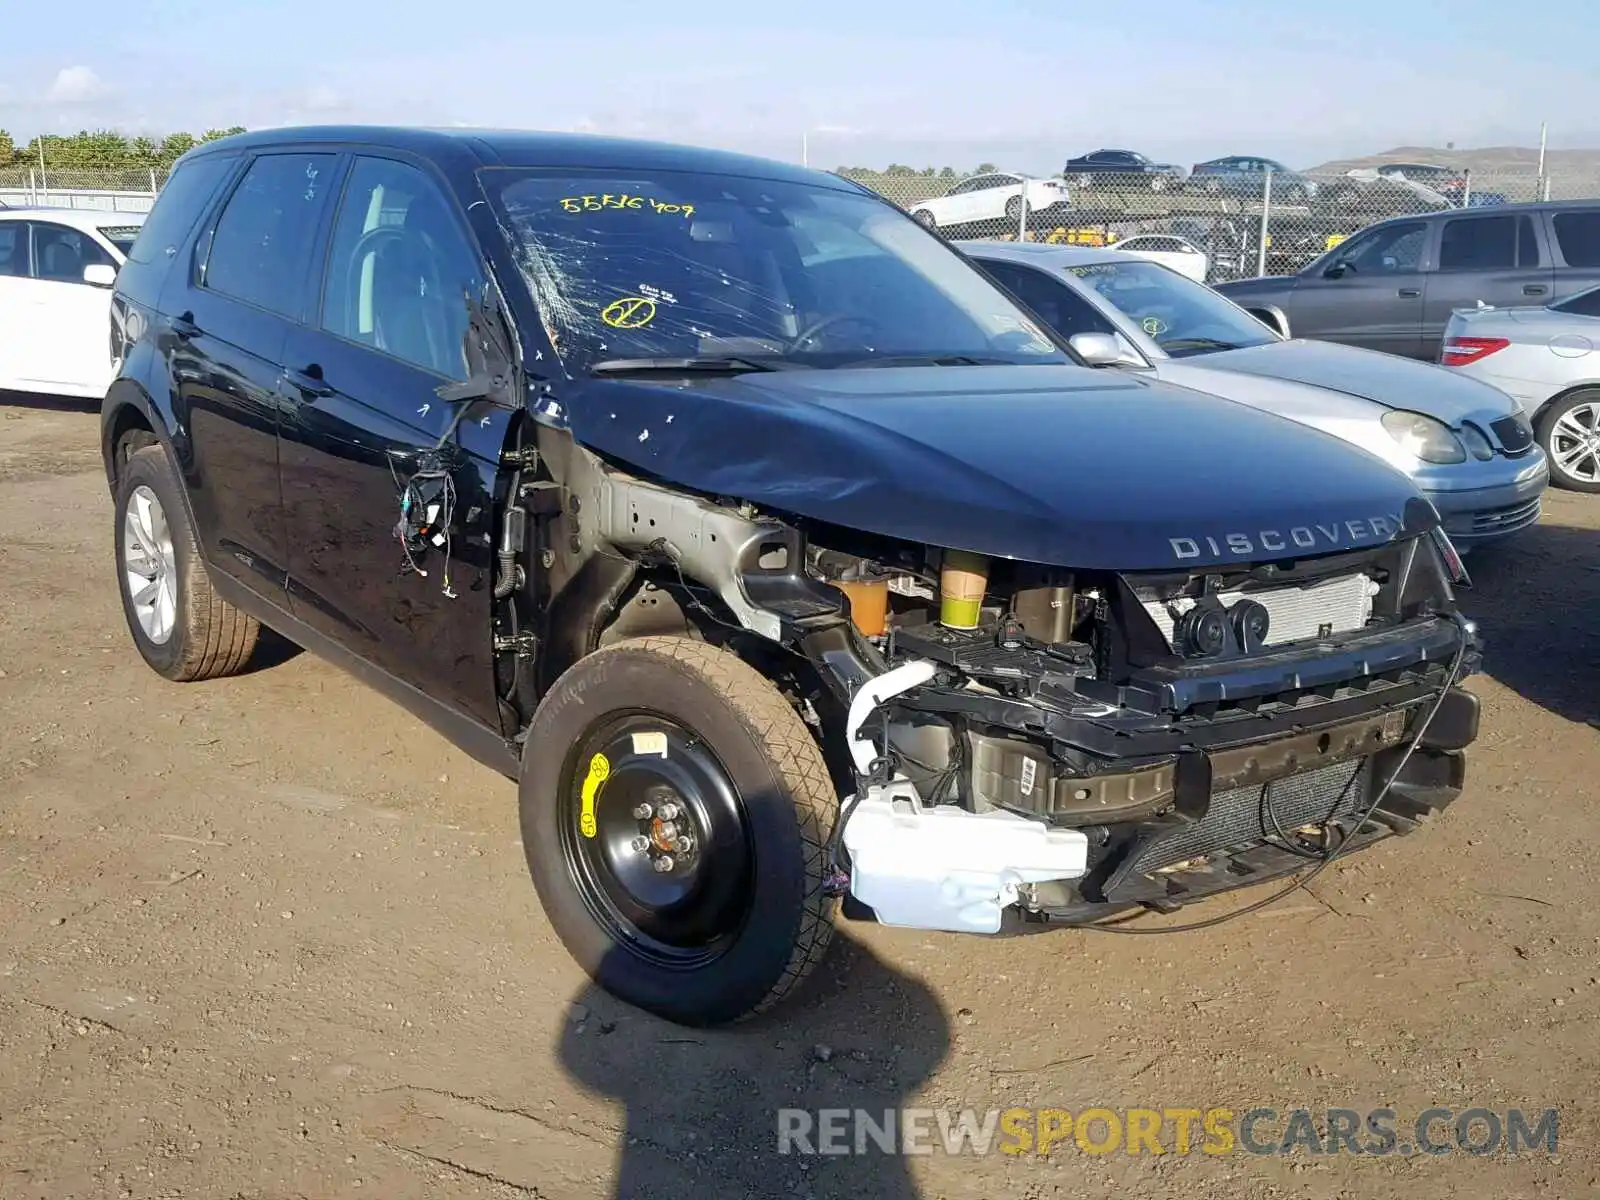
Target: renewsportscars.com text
1211,1131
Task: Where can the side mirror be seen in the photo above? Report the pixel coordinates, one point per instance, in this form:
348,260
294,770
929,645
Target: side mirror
1334,272
1097,349
100,275
1273,318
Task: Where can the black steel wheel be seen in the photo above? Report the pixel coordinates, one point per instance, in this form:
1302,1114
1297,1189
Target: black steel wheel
675,811
643,862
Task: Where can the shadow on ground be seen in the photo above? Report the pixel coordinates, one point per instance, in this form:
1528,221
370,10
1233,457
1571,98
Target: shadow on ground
1537,600
702,1107
47,403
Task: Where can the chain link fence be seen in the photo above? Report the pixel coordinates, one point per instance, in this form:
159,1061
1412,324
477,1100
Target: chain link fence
123,189
1217,224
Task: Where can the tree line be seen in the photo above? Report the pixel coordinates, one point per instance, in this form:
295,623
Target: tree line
105,148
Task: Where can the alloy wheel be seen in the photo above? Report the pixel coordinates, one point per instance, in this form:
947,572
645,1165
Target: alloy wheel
1575,442
150,565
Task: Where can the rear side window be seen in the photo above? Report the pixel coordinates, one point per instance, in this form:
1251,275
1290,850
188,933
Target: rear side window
265,235
178,206
1578,234
1487,243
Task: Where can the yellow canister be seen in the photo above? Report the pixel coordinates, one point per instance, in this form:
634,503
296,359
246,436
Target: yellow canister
962,579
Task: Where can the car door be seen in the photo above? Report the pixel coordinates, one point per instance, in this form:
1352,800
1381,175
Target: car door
246,283
1368,294
970,204
67,345
366,432
1575,239
1493,260
17,310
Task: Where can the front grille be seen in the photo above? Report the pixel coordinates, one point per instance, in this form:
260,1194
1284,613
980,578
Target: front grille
1239,817
1496,520
1321,609
1514,432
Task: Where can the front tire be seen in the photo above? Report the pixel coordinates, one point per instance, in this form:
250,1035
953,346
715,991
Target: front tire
724,766
182,628
1569,432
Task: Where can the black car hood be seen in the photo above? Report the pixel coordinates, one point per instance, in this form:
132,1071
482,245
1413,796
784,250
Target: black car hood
1063,465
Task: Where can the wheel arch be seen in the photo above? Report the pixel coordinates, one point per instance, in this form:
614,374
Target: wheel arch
127,409
1572,389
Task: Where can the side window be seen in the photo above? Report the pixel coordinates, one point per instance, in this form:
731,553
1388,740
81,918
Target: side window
187,192
61,253
264,236
1578,234
1391,251
401,269
1058,305
13,248
1478,244
1527,243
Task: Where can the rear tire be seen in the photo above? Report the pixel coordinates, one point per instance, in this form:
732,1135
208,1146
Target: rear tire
733,925
1572,425
182,628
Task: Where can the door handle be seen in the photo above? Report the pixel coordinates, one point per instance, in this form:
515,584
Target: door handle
309,382
185,328
1410,293
1533,289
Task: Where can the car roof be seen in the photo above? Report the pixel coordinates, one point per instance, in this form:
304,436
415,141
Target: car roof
78,218
1042,254
1488,210
531,148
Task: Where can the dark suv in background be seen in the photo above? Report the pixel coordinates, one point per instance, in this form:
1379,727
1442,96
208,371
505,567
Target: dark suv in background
1394,285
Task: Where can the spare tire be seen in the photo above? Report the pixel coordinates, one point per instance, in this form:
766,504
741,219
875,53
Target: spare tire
675,816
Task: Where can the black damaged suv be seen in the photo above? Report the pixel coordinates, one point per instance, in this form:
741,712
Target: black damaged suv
779,554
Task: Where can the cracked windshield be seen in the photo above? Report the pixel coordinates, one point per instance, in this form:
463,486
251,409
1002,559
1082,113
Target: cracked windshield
631,270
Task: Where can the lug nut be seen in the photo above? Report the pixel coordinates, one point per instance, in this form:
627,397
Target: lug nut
663,864
684,844
640,843
668,811
643,812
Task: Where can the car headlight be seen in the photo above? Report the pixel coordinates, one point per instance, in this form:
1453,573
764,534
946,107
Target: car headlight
1476,443
1430,440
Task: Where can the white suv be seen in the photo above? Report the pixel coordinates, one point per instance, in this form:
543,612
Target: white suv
57,266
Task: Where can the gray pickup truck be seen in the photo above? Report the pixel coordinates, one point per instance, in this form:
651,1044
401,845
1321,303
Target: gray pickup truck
1393,285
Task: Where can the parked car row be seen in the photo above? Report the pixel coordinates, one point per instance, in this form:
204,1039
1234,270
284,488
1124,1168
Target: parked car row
780,553
1409,285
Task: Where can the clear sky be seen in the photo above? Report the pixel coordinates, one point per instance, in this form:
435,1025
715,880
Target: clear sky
1024,83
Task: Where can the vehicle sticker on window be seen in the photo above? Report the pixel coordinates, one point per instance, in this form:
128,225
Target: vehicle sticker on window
650,743
573,204
599,772
630,312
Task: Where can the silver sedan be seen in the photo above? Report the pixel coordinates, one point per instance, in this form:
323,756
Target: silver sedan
1463,444
1548,360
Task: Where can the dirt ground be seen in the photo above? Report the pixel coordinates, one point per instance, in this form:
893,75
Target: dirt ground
271,938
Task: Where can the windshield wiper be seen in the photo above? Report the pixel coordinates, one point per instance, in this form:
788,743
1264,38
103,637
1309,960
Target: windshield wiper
925,360
1197,343
683,366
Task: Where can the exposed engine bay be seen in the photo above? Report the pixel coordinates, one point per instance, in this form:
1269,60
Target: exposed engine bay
1025,740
